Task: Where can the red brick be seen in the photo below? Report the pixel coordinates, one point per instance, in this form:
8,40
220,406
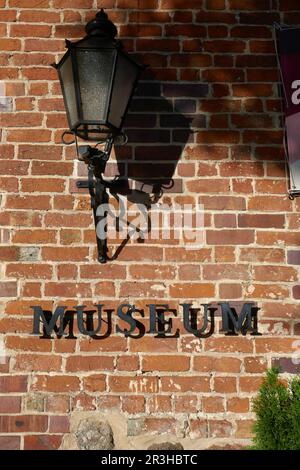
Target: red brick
89,363
42,442
198,428
296,292
219,428
151,272
10,44
278,345
28,202
95,383
127,363
185,384
8,253
9,184
59,424
23,307
153,45
53,185
244,429
58,404
222,364
165,363
30,135
133,405
230,291
10,404
257,255
67,271
39,363
159,425
159,404
272,237
225,384
238,405
56,383
225,271
255,364
134,4
249,5
29,271
213,405
10,443
211,185
54,289
8,289
13,168
178,5
225,46
225,220
14,384
184,255
64,254
133,384
56,219
275,273
32,289
250,384
261,220
54,168
84,402
111,344
109,402
266,291
229,344
230,237
29,343
39,152
192,291
23,423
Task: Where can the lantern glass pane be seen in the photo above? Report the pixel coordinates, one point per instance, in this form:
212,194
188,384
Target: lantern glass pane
95,69
126,75
67,83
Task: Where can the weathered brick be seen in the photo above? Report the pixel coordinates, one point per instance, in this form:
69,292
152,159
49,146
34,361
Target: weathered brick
42,442
10,404
205,115
23,423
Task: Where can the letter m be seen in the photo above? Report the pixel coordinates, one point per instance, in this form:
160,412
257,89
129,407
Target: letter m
49,321
234,323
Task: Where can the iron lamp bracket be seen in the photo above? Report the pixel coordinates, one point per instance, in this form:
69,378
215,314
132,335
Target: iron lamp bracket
96,161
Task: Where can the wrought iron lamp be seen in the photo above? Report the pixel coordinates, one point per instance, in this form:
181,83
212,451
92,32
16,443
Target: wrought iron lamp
98,80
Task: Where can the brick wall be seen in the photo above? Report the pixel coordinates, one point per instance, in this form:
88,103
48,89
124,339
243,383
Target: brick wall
210,97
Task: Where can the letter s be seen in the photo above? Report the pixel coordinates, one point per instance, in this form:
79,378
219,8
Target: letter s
127,317
296,94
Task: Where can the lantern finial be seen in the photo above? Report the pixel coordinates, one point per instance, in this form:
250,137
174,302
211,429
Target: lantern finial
101,26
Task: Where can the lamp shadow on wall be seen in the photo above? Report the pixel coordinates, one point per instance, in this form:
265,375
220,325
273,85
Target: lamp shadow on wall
157,133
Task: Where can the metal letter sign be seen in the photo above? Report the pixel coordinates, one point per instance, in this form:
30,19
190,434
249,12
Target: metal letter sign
288,52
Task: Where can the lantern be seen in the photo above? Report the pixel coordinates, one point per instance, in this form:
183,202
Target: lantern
98,80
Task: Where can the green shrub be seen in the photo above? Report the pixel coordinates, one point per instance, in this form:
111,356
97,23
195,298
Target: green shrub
277,409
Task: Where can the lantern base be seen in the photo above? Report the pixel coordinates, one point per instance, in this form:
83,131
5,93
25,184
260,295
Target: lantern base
90,133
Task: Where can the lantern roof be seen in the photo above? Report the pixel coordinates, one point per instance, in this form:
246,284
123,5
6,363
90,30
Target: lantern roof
101,26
